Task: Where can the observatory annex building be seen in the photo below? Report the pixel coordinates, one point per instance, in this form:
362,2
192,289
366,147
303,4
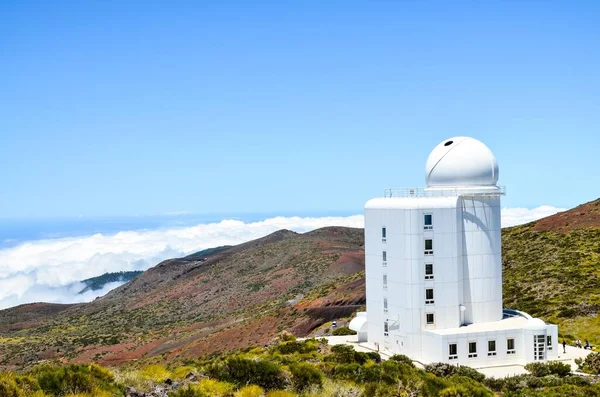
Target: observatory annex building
434,269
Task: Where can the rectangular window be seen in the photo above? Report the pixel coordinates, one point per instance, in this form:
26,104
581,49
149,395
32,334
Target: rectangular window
383,234
385,281
428,222
429,296
549,342
491,347
429,271
472,349
452,351
539,343
428,246
386,328
385,305
430,318
384,257
510,346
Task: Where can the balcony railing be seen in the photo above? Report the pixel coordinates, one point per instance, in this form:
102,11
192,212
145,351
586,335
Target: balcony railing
445,192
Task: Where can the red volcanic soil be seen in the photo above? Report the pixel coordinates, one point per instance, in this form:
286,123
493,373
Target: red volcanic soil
581,217
29,315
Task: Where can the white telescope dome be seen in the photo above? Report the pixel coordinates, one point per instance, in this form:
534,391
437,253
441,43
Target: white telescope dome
461,161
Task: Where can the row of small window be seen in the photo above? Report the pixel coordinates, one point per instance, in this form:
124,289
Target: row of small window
453,349
510,347
427,225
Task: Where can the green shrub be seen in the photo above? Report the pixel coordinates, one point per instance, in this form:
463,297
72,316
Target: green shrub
378,390
13,385
155,373
206,388
401,358
576,381
305,375
286,336
455,391
249,391
243,371
302,347
343,331
181,372
471,373
187,391
466,386
441,370
549,368
73,379
564,390
518,383
346,354
591,363
8,388
280,393
345,371
214,388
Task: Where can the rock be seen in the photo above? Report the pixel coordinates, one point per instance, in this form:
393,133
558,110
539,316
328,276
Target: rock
131,392
158,391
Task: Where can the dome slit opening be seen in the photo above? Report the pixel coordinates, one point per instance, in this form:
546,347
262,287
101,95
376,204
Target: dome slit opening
448,143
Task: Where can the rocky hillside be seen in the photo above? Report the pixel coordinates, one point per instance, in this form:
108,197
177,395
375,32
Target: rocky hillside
552,270
218,300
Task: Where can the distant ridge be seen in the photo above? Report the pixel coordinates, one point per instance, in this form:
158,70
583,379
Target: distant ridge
206,252
583,216
96,283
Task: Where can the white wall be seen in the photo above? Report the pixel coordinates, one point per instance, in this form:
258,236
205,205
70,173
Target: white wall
482,259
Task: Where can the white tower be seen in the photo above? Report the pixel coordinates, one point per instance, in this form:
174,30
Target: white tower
434,266
468,167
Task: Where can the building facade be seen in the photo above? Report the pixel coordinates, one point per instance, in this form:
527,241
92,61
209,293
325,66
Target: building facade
434,268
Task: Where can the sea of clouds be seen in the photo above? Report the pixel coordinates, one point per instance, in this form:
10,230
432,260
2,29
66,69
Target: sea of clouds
50,270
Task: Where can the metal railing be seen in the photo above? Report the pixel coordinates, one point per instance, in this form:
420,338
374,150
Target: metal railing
444,192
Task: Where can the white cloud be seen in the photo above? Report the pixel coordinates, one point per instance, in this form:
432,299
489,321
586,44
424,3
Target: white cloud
50,270
519,216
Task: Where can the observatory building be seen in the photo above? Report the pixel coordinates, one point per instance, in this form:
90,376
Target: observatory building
434,269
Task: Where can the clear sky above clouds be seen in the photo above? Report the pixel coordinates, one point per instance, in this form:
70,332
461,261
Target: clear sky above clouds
154,107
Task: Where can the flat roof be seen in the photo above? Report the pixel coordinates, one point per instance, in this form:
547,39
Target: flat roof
506,323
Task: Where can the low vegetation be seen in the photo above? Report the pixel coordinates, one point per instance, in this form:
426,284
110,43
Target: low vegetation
590,364
550,270
343,331
294,368
72,380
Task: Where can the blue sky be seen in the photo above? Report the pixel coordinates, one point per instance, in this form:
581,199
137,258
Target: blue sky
153,107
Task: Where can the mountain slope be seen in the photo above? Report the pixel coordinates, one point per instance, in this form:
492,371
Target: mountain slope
228,299
552,270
